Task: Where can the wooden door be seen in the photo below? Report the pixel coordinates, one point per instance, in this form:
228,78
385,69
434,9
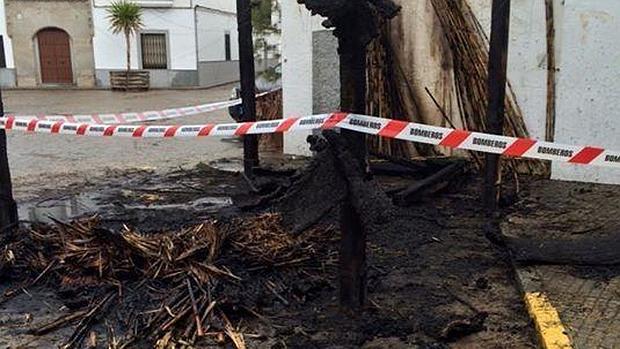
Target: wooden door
55,56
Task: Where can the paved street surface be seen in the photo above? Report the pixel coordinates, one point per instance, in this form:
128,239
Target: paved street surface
587,298
40,160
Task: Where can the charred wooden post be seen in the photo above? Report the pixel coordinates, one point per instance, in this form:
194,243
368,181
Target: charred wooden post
551,72
498,57
353,93
8,207
355,23
248,85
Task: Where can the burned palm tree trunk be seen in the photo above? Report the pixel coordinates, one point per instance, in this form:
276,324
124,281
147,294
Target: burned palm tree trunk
8,208
355,23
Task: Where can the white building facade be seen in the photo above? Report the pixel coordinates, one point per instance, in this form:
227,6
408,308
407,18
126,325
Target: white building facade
168,38
217,39
310,70
183,43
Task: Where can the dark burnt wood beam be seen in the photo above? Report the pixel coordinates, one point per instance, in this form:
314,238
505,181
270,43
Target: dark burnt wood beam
8,208
248,84
356,23
498,61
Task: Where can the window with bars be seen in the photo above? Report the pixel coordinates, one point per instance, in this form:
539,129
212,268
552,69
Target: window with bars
154,50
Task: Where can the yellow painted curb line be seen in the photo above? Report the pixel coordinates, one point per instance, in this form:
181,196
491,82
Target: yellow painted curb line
548,324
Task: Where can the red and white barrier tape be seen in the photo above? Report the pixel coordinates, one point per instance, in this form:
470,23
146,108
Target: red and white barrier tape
131,117
458,139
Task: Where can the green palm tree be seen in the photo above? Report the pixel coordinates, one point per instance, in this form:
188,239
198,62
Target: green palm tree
125,17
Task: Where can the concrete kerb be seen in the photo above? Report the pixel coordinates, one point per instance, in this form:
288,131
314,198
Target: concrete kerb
551,332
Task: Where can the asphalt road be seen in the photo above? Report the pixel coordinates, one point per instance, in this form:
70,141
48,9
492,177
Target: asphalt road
40,160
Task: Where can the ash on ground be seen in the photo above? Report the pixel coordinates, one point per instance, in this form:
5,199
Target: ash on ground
202,258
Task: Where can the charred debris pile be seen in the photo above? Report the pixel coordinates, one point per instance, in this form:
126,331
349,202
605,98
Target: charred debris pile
212,282
170,288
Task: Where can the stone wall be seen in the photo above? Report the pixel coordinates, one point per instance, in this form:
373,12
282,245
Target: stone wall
325,72
26,18
7,77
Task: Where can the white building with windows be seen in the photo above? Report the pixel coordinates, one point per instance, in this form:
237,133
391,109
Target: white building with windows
183,43
216,21
166,46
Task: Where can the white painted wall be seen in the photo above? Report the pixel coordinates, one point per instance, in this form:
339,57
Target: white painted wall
588,80
178,23
215,17
527,62
212,27
527,57
297,26
589,84
8,47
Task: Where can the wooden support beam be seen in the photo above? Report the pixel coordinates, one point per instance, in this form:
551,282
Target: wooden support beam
498,58
356,24
352,259
8,207
551,70
353,93
353,238
248,84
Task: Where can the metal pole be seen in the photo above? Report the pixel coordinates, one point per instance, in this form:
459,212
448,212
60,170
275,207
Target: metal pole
8,207
248,86
498,57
